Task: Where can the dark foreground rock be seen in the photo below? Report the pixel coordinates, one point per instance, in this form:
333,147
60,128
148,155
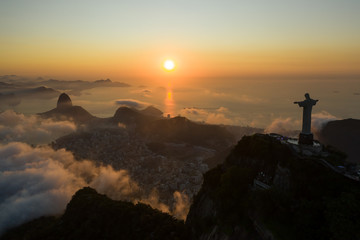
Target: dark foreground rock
268,188
90,215
344,135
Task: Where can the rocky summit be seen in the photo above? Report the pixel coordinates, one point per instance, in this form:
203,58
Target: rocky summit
90,215
66,111
64,101
270,187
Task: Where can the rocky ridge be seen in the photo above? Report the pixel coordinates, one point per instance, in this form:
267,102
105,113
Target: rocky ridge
272,188
90,215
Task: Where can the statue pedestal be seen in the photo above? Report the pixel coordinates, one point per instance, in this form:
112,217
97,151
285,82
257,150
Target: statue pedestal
306,138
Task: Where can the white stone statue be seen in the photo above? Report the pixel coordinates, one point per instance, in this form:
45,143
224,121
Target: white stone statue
307,104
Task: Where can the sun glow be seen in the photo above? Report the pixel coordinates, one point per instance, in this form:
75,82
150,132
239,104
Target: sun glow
169,65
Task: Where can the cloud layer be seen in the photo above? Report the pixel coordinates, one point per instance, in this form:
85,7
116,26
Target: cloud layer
284,126
290,127
31,129
217,116
132,103
319,120
21,85
40,181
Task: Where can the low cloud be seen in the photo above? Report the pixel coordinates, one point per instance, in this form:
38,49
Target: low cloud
179,209
13,92
31,129
40,181
39,85
77,87
319,120
284,126
153,200
291,127
143,92
215,116
132,103
238,98
182,205
9,99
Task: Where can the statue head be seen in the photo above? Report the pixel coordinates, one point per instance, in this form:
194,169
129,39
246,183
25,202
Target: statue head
307,96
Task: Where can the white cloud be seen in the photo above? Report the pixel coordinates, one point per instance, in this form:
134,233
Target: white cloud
180,208
283,126
243,98
182,205
319,120
131,103
40,181
288,126
217,116
143,92
31,129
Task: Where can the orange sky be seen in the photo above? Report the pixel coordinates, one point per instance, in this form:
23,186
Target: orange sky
130,41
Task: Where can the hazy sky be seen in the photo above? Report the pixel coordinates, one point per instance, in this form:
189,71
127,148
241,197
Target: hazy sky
121,39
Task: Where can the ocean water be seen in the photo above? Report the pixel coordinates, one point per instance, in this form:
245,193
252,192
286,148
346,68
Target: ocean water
256,103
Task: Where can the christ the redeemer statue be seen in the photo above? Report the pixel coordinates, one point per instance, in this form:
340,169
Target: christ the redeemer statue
306,137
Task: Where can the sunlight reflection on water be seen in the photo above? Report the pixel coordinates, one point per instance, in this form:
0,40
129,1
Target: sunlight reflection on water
254,103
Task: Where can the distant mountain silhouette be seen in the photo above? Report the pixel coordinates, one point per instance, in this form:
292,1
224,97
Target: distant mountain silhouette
39,92
152,111
77,86
181,129
344,135
131,117
6,85
13,94
149,124
9,99
66,111
64,101
177,129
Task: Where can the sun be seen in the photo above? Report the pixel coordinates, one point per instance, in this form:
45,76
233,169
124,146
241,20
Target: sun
169,65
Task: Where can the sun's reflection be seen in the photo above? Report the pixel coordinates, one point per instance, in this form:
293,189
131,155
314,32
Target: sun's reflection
169,102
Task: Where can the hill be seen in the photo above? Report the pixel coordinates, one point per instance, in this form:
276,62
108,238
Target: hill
152,111
182,130
90,215
344,135
295,193
177,129
66,111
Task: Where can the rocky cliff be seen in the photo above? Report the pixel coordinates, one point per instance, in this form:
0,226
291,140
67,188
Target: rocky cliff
90,215
66,111
344,135
271,188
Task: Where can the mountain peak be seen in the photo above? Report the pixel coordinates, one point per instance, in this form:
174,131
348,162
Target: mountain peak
64,101
152,111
